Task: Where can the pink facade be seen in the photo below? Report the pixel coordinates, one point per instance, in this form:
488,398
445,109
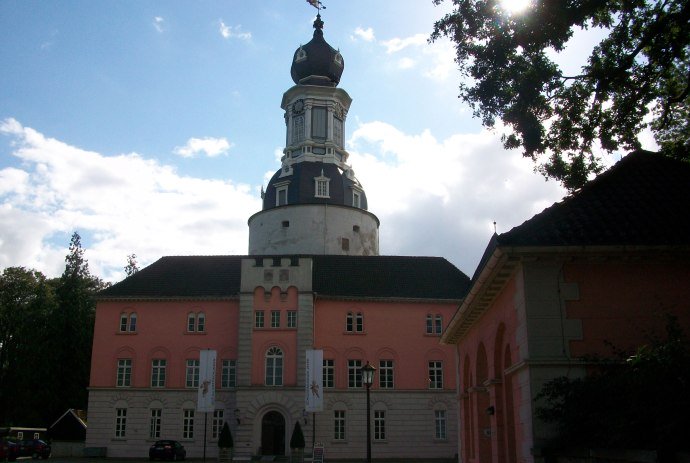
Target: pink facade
157,324
512,348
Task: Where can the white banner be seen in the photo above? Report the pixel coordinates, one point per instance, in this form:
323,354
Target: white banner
206,399
313,384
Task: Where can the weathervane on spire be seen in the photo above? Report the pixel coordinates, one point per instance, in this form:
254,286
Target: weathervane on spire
316,4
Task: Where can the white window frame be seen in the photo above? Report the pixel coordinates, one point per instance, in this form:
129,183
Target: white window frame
322,186
282,188
440,424
192,373
379,425
435,374
158,370
386,374
292,319
275,318
259,319
228,373
328,373
155,417
120,423
188,423
354,374
274,367
339,425
217,422
124,373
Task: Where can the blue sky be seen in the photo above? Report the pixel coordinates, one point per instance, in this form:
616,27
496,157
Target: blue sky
150,127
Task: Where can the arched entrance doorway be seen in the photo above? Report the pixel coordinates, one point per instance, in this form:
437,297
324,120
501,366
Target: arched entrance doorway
273,434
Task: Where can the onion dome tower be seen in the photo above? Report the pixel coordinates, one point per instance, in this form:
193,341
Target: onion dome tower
314,204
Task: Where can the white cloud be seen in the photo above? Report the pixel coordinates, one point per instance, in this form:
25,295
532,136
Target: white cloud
364,34
232,32
158,23
211,147
441,197
433,197
397,44
123,204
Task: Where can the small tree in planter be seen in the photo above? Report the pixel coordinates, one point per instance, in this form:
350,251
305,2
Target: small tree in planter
225,444
297,443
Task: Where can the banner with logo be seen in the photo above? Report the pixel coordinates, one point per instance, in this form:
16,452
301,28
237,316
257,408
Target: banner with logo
313,383
206,399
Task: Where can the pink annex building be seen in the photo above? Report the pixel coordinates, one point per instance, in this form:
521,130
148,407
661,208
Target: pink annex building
313,279
606,264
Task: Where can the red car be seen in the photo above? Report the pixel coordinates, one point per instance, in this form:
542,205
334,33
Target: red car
8,450
167,450
34,448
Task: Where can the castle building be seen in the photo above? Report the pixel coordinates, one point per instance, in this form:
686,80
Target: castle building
313,279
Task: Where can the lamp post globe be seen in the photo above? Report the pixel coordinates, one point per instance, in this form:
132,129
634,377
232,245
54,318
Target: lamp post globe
368,371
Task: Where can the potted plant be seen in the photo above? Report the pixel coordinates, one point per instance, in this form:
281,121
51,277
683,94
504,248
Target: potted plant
225,444
297,443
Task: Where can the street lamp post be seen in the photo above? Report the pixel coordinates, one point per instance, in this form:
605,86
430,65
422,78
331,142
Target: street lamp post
368,378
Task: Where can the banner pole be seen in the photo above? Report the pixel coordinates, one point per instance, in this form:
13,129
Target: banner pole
205,425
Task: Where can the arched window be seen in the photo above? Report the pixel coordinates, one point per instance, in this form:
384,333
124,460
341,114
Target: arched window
123,322
359,322
274,367
128,322
132,322
200,322
349,322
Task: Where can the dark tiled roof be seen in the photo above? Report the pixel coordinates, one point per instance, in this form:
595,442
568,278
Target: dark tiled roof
182,276
388,277
337,276
642,200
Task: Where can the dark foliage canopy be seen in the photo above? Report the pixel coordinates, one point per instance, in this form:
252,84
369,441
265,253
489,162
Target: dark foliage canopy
46,333
297,439
225,438
640,402
638,76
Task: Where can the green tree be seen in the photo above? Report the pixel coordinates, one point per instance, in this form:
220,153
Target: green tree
638,72
225,438
638,402
26,301
71,330
132,266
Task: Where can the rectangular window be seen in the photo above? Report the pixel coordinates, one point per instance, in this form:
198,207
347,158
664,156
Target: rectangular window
379,425
200,322
349,321
328,373
281,196
386,374
120,422
155,423
188,424
318,123
191,322
132,322
217,425
298,129
429,324
356,202
354,373
440,419
322,190
124,372
438,325
435,374
275,318
20,435
192,374
339,424
123,322
228,374
259,319
360,322
158,372
292,319
338,132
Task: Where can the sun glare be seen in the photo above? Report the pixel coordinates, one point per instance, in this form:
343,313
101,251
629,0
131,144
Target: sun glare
515,6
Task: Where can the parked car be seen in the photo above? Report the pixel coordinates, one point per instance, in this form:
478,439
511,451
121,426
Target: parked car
167,450
34,448
8,450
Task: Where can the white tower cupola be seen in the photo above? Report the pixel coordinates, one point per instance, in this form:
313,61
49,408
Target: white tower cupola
314,204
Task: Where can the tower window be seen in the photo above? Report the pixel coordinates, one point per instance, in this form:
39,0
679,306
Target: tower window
356,201
338,131
281,196
322,186
318,123
345,244
286,223
298,129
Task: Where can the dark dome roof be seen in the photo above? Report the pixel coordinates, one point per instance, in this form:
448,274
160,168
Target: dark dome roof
317,63
301,189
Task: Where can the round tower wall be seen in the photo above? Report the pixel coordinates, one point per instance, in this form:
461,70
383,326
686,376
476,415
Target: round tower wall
314,229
